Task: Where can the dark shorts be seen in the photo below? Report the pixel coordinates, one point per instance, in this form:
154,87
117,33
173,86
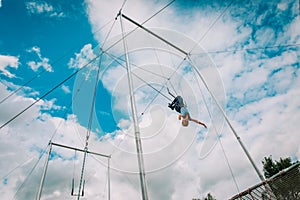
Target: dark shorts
178,102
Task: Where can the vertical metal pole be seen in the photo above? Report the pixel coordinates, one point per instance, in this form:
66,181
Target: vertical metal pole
108,177
39,194
82,182
227,120
135,120
82,172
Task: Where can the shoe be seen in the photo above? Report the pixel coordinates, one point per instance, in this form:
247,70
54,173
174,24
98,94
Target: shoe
170,106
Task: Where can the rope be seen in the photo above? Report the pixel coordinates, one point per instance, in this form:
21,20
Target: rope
106,52
30,173
169,80
75,157
219,139
159,91
150,72
156,56
58,85
22,185
50,91
173,64
114,44
148,84
210,27
123,4
91,114
44,70
89,129
17,167
73,100
251,49
53,135
46,94
202,93
43,152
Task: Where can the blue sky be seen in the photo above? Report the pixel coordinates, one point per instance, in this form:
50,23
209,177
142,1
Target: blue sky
248,52
46,35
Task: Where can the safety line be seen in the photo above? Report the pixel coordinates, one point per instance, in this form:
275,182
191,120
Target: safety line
122,65
210,27
44,70
29,174
127,34
249,49
218,137
54,88
46,94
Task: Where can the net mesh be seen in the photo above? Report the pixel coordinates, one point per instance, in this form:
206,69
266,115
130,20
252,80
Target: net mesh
283,186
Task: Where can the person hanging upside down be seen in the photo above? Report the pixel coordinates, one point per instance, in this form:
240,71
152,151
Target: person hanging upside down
179,106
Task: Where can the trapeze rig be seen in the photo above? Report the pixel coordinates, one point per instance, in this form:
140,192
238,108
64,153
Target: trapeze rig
82,182
142,174
137,133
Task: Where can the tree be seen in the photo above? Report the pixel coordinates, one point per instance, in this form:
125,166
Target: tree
285,186
209,197
273,167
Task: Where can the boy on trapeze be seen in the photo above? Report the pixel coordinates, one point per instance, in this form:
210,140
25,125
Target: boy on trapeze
179,106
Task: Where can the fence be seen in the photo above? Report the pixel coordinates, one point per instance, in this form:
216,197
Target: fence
284,185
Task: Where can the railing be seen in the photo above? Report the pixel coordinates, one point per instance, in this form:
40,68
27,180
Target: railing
284,185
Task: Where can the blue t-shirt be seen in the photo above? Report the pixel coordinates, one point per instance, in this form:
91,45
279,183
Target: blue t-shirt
184,111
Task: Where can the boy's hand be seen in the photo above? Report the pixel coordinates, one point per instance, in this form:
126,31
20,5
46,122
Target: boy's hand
179,117
202,124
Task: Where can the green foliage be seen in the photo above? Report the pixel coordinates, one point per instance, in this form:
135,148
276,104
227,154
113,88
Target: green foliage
209,197
273,167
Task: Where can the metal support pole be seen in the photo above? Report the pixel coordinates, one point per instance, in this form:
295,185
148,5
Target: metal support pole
39,194
227,120
204,82
85,151
82,172
108,177
135,120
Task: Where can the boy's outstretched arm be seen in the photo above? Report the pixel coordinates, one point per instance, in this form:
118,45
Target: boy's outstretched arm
198,122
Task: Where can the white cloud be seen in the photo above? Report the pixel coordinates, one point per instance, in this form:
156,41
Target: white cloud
124,124
24,138
43,61
25,90
48,105
181,163
43,8
282,6
66,89
8,62
293,31
84,57
241,73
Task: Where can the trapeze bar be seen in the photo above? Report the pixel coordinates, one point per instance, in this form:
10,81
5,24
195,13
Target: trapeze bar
164,40
73,148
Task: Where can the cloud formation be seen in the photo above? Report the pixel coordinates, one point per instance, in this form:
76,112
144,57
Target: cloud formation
43,62
43,7
8,62
260,84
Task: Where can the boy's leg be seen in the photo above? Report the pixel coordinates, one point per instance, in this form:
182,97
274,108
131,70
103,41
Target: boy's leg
180,101
171,106
174,103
